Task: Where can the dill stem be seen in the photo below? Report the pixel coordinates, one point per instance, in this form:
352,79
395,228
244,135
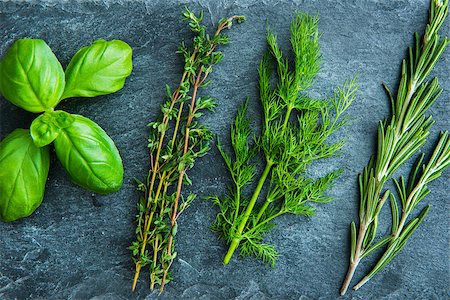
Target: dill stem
238,203
262,210
265,221
235,242
356,259
287,116
286,120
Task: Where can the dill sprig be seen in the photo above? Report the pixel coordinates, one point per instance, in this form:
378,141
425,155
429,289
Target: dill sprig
176,140
295,130
398,140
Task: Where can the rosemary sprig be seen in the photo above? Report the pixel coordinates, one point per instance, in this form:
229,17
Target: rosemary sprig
295,128
176,140
411,193
398,140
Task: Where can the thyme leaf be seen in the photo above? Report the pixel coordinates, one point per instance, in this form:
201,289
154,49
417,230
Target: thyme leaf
175,141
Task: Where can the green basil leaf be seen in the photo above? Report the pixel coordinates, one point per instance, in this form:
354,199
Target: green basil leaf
48,125
43,130
1,94
31,76
23,173
89,156
62,119
98,69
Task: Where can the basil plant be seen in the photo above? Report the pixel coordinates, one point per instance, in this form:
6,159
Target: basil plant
32,78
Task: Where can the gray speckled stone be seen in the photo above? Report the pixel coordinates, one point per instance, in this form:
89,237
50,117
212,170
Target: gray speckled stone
74,246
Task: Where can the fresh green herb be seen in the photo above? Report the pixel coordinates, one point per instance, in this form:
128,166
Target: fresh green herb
23,174
295,131
32,78
398,140
176,140
89,156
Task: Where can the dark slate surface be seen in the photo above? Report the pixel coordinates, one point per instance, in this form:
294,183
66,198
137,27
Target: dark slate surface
74,246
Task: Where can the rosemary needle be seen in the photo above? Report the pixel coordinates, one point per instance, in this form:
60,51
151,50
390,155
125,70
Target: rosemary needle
398,139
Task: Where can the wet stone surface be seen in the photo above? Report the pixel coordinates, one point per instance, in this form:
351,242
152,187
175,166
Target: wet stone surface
75,245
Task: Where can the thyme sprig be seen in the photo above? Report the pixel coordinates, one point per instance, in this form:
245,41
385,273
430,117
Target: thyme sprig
398,140
176,140
295,130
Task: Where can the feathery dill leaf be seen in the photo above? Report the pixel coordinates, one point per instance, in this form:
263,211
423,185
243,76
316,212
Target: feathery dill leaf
398,140
294,134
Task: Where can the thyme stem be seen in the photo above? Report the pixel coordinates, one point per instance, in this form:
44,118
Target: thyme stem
170,159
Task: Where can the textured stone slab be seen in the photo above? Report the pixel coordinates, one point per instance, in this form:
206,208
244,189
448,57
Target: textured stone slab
74,246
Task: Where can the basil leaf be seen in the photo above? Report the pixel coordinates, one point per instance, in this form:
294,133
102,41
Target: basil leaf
47,126
31,76
23,173
89,156
62,119
98,69
43,130
0,82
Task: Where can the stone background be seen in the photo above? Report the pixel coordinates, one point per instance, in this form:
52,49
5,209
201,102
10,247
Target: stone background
75,245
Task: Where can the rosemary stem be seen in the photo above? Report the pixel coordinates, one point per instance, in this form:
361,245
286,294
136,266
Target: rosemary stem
380,177
382,260
400,126
235,242
348,277
362,282
356,258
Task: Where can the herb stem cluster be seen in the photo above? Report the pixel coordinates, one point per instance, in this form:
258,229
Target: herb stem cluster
162,201
295,130
398,140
